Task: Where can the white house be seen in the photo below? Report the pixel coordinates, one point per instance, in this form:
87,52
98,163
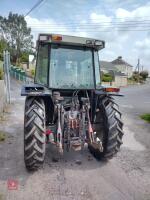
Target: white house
123,66
119,78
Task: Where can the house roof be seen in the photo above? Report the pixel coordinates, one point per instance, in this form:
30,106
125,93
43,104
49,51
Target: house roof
107,66
104,65
120,61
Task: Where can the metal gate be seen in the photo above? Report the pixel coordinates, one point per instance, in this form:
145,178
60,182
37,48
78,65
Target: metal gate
15,72
6,56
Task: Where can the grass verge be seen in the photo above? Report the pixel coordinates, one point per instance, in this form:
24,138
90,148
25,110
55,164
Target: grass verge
146,117
2,136
1,197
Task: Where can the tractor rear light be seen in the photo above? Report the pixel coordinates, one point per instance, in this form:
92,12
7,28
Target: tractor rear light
48,132
43,37
56,37
111,89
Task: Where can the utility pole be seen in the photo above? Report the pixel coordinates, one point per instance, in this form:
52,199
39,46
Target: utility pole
138,65
137,69
142,67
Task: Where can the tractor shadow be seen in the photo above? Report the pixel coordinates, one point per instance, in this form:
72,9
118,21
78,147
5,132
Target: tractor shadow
77,160
12,165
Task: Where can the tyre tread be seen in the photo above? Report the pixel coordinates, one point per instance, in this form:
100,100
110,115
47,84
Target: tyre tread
34,137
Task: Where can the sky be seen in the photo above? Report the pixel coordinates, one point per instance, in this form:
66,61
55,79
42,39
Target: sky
123,25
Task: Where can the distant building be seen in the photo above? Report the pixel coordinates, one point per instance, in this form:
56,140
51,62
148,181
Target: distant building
119,78
123,66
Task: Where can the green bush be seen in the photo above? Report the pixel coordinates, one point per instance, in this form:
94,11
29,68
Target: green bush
107,77
139,77
136,77
33,72
144,75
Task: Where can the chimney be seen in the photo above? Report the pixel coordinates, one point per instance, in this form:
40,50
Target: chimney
119,57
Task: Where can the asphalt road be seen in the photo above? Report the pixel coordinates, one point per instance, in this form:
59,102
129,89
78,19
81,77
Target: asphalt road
126,177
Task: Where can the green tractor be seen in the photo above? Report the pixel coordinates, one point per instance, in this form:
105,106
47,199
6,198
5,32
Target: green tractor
67,106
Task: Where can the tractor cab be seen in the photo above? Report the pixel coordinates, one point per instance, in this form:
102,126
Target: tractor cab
68,62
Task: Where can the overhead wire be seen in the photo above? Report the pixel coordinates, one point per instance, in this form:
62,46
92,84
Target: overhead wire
98,27
93,26
87,24
93,31
106,26
35,6
102,22
90,25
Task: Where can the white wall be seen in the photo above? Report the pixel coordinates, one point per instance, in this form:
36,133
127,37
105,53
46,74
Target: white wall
121,81
127,70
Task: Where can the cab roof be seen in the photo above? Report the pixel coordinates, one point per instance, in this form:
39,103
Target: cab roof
71,40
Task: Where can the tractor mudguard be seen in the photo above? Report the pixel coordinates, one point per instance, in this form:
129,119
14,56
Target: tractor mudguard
35,90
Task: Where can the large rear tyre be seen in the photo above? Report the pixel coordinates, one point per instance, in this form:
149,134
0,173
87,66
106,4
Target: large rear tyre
109,129
34,133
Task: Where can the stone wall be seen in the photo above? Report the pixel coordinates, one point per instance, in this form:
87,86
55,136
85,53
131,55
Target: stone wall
2,96
120,81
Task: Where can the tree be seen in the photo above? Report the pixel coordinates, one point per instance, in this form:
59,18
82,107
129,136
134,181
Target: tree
24,57
144,75
18,36
139,77
136,77
3,46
